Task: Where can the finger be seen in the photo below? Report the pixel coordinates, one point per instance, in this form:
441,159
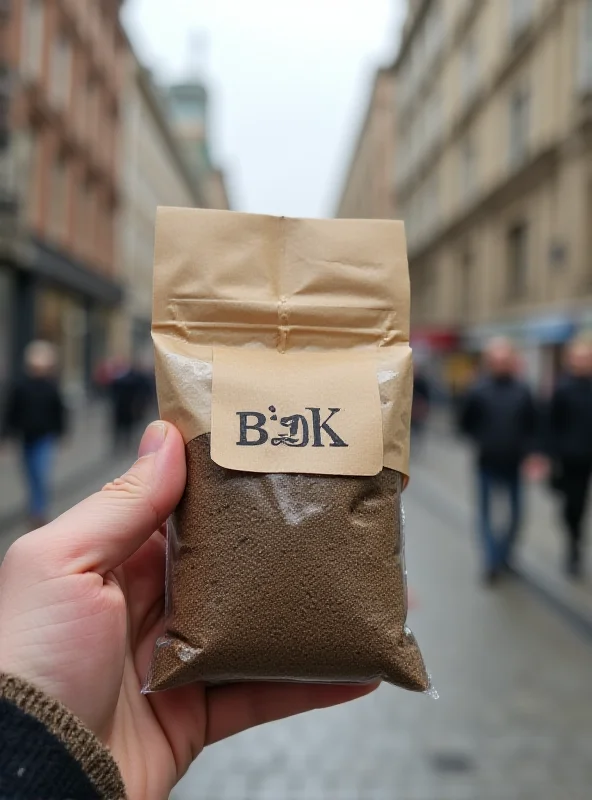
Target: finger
107,528
232,709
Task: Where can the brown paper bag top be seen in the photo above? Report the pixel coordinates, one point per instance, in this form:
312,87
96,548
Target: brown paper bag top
234,294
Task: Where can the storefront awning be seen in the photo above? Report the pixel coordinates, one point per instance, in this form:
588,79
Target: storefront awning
49,262
552,329
441,340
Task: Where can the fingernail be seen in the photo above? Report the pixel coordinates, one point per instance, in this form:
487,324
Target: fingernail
153,439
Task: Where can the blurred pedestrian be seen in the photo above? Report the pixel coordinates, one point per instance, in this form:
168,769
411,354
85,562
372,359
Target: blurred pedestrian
144,365
103,376
35,415
499,415
420,408
129,392
570,445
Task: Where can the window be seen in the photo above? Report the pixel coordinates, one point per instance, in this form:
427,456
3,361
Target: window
31,198
84,218
81,105
94,19
517,260
32,45
469,69
5,92
468,169
519,125
431,121
92,107
434,31
432,201
585,66
521,12
58,200
61,71
588,254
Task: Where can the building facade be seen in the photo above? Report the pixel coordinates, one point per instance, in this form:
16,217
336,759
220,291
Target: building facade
368,191
493,174
154,171
61,77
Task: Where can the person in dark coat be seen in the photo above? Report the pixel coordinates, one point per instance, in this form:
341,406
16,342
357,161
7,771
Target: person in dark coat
499,416
570,445
35,415
129,401
420,408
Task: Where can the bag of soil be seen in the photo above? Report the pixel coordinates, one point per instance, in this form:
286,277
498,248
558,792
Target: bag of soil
282,356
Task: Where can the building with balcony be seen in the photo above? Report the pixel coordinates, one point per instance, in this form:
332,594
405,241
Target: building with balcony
493,173
61,80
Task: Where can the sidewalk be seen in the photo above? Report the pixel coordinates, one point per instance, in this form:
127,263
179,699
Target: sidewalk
444,468
85,450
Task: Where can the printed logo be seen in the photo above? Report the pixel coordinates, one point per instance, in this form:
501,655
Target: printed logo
302,430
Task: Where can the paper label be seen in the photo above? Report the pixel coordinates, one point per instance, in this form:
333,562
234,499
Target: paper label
305,412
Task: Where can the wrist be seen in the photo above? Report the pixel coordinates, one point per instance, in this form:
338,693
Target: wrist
83,746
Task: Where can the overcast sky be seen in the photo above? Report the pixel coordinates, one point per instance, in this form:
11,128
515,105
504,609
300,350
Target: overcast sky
289,83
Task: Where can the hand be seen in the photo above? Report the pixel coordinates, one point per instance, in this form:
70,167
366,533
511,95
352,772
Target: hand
81,606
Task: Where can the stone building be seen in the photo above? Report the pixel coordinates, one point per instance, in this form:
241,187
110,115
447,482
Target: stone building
155,170
61,75
493,173
368,187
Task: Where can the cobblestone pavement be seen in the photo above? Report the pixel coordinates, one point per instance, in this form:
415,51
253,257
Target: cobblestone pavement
444,465
513,721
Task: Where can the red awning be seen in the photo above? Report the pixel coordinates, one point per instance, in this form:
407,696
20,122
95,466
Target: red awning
440,339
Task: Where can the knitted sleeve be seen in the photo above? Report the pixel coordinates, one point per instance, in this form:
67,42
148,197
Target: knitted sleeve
46,752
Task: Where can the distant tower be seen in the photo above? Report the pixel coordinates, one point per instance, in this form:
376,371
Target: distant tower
188,102
188,115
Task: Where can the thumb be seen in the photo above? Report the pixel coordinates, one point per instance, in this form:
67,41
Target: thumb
101,532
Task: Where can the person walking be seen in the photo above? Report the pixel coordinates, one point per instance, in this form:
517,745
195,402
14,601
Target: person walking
420,409
128,403
35,415
570,446
499,416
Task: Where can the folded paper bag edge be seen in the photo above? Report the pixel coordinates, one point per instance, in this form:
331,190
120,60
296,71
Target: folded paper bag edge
220,255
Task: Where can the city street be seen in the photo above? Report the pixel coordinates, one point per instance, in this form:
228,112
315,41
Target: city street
266,214
513,721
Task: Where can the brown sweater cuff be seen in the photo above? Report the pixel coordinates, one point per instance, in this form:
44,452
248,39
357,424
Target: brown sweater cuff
94,758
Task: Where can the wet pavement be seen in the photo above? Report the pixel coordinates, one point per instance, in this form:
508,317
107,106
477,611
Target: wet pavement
513,722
